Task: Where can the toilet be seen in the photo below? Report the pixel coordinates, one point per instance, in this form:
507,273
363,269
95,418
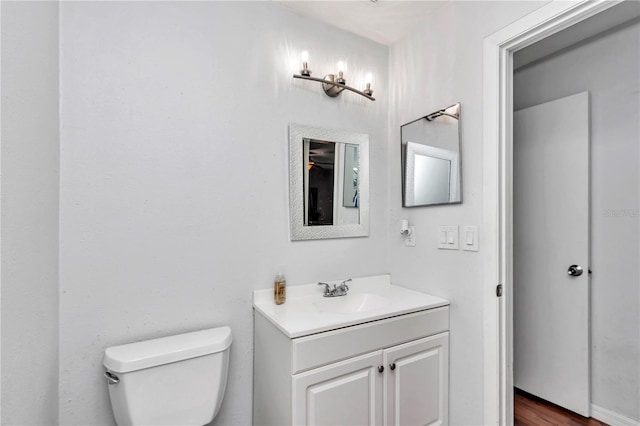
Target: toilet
174,380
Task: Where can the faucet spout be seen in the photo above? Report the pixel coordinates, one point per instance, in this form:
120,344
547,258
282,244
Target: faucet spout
337,290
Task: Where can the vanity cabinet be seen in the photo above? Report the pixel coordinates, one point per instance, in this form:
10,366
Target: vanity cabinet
392,371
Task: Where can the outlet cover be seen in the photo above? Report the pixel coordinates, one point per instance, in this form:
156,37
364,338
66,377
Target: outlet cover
410,241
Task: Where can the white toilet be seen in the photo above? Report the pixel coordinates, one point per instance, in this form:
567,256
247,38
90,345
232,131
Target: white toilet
174,380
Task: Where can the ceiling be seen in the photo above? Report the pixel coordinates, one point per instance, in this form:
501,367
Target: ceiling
388,21
621,14
385,21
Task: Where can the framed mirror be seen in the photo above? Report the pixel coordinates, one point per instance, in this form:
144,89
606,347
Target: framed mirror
328,183
431,166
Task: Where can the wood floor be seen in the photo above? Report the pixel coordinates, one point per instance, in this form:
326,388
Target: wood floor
530,410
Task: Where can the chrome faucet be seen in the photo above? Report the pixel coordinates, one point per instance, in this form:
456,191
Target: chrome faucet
339,290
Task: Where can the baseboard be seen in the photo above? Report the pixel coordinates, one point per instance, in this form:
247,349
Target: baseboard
614,419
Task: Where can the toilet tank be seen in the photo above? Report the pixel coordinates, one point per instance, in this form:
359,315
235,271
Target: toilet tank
174,380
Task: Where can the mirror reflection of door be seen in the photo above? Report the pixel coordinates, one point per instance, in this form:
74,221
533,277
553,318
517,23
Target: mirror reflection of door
432,180
431,175
331,183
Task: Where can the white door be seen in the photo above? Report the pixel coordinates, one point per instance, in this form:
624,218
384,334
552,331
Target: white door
417,382
342,394
551,233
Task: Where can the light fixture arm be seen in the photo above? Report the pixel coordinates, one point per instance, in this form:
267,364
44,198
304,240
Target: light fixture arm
333,87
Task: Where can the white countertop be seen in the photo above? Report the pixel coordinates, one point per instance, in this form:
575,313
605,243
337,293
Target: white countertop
303,313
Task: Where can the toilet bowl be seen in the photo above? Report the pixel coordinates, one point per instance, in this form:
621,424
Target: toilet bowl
174,380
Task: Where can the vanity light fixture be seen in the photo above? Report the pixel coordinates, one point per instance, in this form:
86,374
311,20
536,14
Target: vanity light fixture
333,84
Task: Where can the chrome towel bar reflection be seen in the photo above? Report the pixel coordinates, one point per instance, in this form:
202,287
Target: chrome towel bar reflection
440,113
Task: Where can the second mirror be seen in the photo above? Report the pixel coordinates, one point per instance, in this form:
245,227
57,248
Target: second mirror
431,166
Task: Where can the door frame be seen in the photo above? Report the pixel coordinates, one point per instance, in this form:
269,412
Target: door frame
497,192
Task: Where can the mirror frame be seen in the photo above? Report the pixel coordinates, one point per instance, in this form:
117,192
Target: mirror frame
298,231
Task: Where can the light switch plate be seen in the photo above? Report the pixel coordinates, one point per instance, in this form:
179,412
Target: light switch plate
448,237
469,238
410,241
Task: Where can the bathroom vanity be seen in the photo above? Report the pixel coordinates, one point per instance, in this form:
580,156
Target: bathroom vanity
378,355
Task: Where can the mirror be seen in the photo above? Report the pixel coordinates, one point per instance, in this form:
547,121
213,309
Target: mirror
431,172
328,183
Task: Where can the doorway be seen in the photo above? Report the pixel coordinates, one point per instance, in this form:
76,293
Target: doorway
586,357
498,275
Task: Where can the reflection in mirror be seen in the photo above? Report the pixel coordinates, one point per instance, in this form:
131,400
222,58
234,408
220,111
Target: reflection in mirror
328,183
351,165
331,190
431,159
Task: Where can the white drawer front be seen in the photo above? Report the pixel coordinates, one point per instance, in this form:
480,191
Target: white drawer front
324,348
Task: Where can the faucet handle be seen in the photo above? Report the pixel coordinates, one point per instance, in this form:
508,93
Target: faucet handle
327,288
344,285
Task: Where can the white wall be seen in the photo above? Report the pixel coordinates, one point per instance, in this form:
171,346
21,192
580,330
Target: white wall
438,64
173,201
30,158
609,68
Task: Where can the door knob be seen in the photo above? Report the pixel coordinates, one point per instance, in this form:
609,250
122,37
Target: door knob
392,366
380,369
575,270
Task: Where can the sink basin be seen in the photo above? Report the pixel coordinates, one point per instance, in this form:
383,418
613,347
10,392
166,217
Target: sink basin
369,299
351,303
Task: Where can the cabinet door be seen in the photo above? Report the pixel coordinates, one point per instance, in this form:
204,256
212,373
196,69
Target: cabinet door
344,393
417,382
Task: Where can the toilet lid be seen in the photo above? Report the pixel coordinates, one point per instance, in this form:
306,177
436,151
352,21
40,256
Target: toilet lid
165,350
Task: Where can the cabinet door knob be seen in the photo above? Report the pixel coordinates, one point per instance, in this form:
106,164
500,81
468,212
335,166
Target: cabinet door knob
380,368
392,366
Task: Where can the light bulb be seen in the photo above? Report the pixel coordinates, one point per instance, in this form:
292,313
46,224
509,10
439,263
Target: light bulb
368,81
341,68
305,71
368,78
